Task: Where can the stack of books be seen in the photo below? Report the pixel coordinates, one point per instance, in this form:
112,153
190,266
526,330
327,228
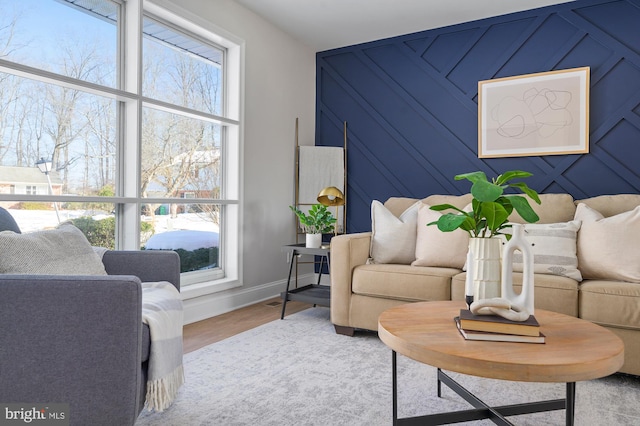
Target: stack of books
498,329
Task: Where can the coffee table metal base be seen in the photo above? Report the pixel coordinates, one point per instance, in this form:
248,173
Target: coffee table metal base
481,410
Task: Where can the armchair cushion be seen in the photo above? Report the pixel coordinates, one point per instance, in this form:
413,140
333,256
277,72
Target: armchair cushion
7,222
61,251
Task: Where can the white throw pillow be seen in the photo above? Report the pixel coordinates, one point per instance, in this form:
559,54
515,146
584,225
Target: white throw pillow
553,247
437,248
393,239
608,247
61,251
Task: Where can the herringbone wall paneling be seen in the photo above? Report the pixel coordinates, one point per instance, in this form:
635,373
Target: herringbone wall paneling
411,103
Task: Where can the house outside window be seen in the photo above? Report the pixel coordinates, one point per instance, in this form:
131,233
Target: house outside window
133,118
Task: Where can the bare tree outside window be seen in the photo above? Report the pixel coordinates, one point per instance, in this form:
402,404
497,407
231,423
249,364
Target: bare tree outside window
78,129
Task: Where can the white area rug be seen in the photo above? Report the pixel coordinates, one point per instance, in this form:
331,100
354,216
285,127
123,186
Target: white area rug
298,371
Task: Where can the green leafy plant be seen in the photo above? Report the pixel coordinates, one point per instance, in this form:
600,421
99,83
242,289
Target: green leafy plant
491,206
202,258
102,233
319,220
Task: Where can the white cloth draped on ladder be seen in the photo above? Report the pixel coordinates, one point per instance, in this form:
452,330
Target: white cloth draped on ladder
319,167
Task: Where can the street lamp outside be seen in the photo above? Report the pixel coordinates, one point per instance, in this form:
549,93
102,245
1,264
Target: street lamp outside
45,167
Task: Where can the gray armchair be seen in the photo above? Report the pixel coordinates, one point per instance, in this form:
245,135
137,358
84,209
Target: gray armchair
80,339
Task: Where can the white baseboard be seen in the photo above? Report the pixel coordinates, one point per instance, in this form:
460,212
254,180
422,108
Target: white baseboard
211,305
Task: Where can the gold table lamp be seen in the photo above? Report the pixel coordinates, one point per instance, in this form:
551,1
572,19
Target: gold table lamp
332,196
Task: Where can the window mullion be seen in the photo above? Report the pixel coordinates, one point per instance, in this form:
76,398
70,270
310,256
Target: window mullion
128,236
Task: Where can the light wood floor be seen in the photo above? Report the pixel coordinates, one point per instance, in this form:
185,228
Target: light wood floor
211,330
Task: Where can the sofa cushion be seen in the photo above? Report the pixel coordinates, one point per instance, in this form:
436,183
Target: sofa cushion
610,205
393,239
397,205
403,282
460,201
553,247
608,247
437,248
552,292
61,251
611,303
553,208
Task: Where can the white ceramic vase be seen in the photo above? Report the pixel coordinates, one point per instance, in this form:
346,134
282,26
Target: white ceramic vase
518,242
485,267
313,240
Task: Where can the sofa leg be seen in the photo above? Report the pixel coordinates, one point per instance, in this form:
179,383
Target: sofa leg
347,331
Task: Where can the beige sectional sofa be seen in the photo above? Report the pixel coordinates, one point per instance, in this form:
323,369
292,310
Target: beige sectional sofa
361,290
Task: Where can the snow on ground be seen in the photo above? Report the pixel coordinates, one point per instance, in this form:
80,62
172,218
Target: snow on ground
184,239
190,221
188,231
203,233
35,220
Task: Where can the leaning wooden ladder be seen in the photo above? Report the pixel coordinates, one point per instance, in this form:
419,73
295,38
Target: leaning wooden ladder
311,163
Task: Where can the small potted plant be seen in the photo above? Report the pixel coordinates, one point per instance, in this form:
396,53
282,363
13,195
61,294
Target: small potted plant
316,222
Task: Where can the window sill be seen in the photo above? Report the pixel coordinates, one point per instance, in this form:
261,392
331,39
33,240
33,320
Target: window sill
193,291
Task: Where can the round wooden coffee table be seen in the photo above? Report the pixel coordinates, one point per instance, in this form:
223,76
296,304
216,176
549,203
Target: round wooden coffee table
575,350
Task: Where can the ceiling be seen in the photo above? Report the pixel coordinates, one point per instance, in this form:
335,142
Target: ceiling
329,24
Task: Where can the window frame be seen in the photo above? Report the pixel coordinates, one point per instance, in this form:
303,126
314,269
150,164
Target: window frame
130,101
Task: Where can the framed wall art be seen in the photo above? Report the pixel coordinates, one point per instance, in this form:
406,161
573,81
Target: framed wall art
535,114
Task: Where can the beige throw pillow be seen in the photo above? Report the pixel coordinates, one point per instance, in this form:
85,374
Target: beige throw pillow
553,247
393,239
608,247
437,248
61,251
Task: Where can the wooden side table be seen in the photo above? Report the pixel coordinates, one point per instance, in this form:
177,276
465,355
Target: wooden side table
575,350
313,293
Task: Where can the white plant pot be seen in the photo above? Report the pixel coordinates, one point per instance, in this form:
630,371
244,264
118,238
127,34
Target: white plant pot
313,240
485,267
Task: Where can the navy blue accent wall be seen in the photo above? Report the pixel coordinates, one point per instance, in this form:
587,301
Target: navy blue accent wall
410,103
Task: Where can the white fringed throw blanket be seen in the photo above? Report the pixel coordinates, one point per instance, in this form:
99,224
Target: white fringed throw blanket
162,311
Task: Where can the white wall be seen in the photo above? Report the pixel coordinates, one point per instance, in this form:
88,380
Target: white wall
279,86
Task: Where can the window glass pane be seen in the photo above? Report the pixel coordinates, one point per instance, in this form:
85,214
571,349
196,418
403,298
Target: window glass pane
180,156
95,220
180,69
73,130
75,38
192,230
60,139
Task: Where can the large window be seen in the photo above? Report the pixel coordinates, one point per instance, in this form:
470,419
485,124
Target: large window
134,111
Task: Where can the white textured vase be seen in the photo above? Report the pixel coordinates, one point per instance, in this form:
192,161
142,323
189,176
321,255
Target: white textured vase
518,242
313,240
485,267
